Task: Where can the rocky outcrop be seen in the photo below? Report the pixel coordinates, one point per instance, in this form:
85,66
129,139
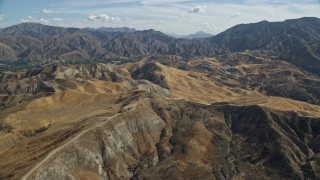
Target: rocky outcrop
151,72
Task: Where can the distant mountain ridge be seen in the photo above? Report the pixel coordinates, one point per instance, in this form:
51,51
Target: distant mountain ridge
295,41
197,35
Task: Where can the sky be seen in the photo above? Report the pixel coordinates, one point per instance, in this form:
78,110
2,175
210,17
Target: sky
171,16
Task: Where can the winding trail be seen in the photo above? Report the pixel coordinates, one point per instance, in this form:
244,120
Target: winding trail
53,152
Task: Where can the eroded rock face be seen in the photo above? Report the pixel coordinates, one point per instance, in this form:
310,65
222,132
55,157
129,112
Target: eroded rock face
184,140
111,150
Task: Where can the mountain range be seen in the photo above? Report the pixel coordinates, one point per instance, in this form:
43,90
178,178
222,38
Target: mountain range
277,39
243,104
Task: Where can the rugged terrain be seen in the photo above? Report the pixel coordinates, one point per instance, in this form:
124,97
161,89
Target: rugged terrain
224,107
147,120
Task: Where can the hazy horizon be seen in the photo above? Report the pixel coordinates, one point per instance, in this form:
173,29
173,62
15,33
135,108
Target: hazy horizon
180,17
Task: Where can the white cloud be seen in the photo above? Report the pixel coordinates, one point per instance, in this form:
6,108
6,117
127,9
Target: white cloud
35,20
44,21
198,9
235,15
57,19
115,19
27,19
1,17
49,11
103,18
91,18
